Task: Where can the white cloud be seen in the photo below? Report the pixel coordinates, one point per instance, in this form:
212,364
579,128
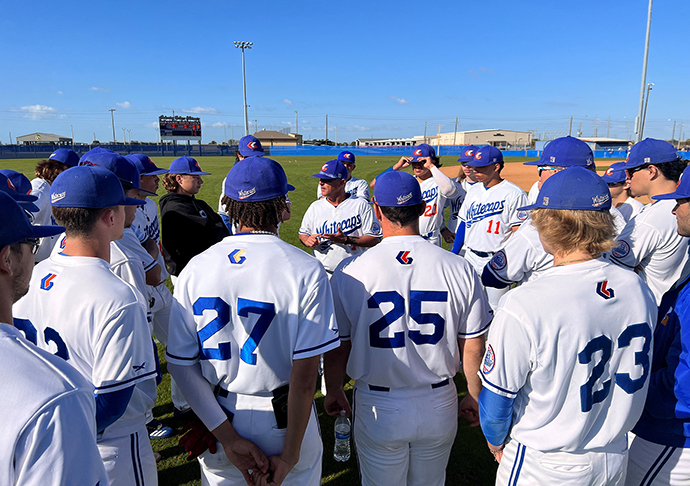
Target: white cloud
38,112
60,93
217,124
96,88
203,110
486,70
153,124
287,101
400,101
125,104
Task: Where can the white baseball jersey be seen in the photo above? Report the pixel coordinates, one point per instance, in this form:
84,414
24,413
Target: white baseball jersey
147,225
221,206
573,349
354,187
630,208
79,310
431,222
490,213
455,204
650,244
403,304
533,193
48,418
130,261
41,189
353,216
250,305
466,184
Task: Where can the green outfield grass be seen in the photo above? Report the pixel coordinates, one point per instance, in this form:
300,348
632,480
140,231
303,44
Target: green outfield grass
470,462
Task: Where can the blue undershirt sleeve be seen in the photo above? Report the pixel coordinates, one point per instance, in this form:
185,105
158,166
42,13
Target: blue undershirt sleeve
111,406
490,280
495,415
459,238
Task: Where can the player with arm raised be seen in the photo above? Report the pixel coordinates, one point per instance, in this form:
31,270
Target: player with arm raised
81,311
650,243
566,380
337,225
353,186
407,312
255,314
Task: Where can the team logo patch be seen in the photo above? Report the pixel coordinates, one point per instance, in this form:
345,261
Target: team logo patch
545,201
522,215
376,228
196,165
324,167
621,250
605,292
10,185
417,152
139,367
86,162
347,156
63,242
202,213
237,257
478,155
552,159
469,153
599,200
252,145
47,281
57,197
247,193
489,360
499,261
404,199
404,258
609,171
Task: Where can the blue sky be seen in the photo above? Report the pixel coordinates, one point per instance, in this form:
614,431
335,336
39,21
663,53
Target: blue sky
378,69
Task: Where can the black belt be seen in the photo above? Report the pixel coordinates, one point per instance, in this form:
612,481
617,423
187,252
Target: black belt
386,389
482,254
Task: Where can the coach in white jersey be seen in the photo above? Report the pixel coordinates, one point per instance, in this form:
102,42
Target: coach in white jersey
489,215
619,185
353,186
566,368
650,243
48,412
79,310
255,315
338,225
407,313
523,258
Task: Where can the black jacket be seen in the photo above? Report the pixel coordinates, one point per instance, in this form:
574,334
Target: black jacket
188,227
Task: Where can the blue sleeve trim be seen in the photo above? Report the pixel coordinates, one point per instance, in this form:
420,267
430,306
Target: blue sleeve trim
111,406
170,355
153,264
337,338
459,238
120,383
489,279
496,416
482,330
618,262
498,387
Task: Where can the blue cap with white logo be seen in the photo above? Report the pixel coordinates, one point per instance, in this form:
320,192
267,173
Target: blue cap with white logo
145,165
186,166
397,189
683,189
92,187
486,155
66,156
575,188
256,179
468,153
346,156
650,151
423,150
250,146
21,183
615,173
16,226
333,169
565,152
124,169
25,200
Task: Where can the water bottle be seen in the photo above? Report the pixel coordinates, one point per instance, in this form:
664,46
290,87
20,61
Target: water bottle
341,451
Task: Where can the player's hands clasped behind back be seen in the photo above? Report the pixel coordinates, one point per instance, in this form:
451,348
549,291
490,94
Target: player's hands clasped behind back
196,439
469,409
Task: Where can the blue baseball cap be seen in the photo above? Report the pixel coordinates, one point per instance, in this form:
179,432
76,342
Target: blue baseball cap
94,152
186,166
682,190
468,153
333,169
250,146
256,179
66,156
16,226
397,189
423,150
92,187
615,173
25,200
124,169
21,183
650,151
486,155
566,152
346,156
145,165
574,188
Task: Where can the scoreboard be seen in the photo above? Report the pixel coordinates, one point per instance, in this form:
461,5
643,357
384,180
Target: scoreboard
179,127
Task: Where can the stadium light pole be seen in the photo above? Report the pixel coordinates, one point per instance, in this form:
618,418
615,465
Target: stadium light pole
244,45
639,122
644,115
112,119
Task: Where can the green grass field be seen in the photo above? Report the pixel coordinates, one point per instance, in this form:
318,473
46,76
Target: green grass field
470,462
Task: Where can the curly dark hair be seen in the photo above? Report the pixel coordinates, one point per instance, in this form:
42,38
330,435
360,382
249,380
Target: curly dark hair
672,170
170,183
49,169
259,215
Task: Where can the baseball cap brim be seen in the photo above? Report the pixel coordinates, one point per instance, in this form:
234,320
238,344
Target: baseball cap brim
156,172
534,162
28,205
130,201
45,231
672,195
479,163
321,175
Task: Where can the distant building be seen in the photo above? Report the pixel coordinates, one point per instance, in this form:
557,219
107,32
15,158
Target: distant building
605,143
504,139
380,142
271,138
44,139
